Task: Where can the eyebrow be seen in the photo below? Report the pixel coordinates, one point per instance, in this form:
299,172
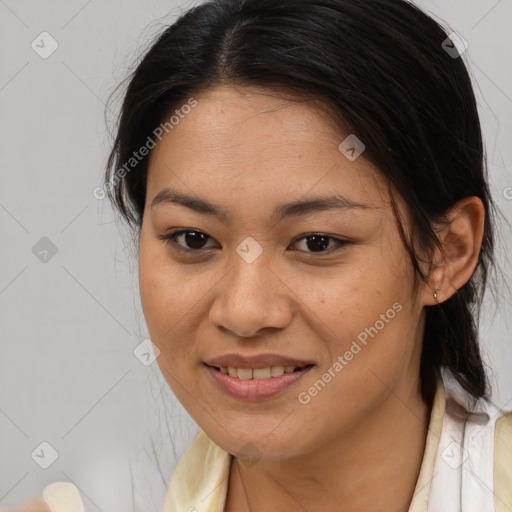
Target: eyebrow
286,210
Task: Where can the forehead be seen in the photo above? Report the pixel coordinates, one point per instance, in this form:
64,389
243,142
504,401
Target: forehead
255,142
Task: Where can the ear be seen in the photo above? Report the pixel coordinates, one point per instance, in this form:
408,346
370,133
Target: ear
461,239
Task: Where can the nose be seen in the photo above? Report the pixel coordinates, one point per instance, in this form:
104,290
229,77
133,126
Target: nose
251,298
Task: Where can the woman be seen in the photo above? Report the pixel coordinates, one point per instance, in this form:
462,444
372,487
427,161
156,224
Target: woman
306,181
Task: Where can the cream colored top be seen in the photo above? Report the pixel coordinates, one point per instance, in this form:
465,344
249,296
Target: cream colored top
200,480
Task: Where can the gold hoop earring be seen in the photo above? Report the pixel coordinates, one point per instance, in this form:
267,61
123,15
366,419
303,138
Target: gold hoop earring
435,297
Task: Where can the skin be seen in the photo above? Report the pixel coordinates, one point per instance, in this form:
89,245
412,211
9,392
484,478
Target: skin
34,505
358,444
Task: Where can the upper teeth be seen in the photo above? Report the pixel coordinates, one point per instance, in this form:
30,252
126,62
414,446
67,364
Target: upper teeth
258,373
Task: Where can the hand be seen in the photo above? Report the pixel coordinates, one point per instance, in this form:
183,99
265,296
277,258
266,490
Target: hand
37,505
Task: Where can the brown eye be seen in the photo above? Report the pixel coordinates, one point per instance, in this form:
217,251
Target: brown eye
192,240
318,243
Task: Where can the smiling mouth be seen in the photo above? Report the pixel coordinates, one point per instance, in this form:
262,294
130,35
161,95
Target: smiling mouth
259,373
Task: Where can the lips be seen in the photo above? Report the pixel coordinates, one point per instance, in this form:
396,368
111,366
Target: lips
255,389
256,377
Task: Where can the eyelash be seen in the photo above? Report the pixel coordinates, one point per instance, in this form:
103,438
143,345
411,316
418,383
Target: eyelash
170,239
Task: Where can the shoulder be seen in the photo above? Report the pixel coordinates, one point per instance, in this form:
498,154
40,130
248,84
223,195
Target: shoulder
503,437
503,462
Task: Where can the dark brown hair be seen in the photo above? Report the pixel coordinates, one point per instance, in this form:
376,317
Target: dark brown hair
383,68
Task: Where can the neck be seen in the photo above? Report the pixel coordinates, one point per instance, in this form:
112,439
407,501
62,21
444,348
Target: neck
373,467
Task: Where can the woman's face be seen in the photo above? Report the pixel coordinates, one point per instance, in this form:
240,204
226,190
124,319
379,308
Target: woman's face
255,281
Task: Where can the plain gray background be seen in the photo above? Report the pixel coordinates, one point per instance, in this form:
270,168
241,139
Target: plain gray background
69,325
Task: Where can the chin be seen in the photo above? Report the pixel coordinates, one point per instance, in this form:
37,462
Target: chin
252,446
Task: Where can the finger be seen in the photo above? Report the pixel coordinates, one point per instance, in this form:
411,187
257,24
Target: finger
63,497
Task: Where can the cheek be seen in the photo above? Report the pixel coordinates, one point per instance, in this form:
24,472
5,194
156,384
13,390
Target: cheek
172,308
161,290
163,306
372,309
